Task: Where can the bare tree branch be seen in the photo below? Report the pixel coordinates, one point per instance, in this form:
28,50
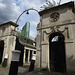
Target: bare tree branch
50,4
59,2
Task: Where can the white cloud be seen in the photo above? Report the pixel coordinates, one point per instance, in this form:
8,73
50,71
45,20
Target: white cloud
2,5
8,11
11,9
32,34
34,23
28,3
65,1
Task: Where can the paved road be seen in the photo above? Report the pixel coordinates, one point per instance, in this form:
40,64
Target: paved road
43,73
23,70
4,71
48,73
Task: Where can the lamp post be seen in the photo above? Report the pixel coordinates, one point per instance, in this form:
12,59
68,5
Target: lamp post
27,10
26,13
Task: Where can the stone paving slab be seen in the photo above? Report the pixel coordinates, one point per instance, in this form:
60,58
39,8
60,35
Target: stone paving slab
4,71
44,73
49,73
23,70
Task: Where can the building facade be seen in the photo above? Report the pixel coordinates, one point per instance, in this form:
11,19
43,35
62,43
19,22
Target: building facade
29,48
28,52
26,29
56,39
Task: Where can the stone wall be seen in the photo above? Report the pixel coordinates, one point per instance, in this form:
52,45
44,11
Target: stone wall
65,24
7,35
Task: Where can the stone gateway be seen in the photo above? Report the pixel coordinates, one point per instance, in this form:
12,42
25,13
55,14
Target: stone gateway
56,39
7,41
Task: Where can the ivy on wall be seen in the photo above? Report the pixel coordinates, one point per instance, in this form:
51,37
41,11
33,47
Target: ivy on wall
25,40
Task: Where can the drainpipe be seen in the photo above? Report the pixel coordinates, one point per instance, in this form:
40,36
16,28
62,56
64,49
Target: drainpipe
40,45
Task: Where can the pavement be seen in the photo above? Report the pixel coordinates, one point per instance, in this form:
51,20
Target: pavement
23,70
48,73
4,71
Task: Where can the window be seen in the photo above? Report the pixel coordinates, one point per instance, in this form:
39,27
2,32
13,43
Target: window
55,39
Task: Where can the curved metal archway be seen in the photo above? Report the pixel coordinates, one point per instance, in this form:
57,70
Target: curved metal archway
26,13
41,31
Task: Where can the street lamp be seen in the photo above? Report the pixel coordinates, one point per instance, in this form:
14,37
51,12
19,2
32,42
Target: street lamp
27,10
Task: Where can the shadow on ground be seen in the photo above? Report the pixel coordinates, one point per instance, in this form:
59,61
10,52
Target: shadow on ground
49,73
22,70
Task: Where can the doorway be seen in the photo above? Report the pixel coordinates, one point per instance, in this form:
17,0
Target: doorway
57,55
30,55
1,50
26,59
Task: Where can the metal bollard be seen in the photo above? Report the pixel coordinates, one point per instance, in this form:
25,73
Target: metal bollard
4,64
14,62
31,68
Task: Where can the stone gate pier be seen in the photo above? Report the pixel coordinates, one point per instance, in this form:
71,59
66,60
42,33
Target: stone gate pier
7,41
56,39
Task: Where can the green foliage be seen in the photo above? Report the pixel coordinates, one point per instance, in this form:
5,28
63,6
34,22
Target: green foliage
1,66
29,46
23,33
22,39
18,33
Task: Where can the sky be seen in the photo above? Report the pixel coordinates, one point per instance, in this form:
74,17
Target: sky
11,9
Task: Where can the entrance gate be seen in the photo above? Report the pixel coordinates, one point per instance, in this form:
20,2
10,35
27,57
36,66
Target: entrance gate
1,50
57,53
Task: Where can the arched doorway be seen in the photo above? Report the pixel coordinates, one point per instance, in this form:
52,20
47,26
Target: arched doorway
1,50
57,52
